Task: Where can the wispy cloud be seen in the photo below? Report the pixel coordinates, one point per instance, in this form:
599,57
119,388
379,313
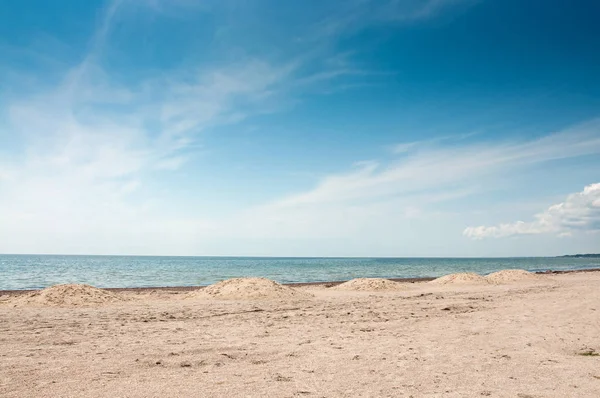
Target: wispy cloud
93,146
92,124
579,212
355,15
76,143
405,147
220,96
373,201
444,166
91,143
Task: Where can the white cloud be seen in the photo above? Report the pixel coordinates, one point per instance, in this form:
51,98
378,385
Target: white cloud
373,203
172,163
579,212
224,95
84,164
91,145
438,167
5,174
81,186
353,16
411,10
406,147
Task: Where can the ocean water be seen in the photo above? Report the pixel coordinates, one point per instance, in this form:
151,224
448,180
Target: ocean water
38,271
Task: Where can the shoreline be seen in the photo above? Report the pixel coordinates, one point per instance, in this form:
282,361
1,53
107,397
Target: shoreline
527,337
292,284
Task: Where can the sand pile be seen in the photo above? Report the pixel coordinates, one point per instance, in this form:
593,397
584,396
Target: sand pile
68,295
465,278
513,275
370,284
249,289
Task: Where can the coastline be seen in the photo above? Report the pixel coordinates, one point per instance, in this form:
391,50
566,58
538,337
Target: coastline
293,284
528,337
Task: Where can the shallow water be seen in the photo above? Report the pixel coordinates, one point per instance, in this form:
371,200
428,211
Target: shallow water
38,271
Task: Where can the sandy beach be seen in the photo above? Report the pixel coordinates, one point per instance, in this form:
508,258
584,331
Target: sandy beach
465,337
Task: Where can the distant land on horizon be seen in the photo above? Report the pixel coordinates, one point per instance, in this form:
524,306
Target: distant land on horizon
589,255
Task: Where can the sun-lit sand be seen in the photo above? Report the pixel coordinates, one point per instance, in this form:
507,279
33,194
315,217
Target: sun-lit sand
371,284
249,289
513,275
526,337
68,295
466,278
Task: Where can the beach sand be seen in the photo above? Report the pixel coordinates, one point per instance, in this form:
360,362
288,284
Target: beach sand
528,339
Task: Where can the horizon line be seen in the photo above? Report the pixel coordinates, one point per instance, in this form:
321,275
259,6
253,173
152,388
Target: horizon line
290,257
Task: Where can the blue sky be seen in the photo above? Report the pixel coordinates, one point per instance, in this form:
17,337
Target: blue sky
313,128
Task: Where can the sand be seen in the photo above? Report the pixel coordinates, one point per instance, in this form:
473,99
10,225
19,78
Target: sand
67,295
466,278
514,340
513,275
249,289
371,284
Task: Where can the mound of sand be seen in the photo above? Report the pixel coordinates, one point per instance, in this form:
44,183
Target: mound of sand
513,275
370,284
68,295
465,278
249,289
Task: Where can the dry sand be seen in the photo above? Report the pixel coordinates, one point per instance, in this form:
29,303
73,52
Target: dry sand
371,284
513,275
249,289
513,340
466,278
67,295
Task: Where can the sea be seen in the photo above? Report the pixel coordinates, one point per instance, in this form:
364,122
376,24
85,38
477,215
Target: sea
18,272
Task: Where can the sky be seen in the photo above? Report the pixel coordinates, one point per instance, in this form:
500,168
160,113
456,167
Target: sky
402,128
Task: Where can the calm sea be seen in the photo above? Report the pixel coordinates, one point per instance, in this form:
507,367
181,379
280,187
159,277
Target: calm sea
38,271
